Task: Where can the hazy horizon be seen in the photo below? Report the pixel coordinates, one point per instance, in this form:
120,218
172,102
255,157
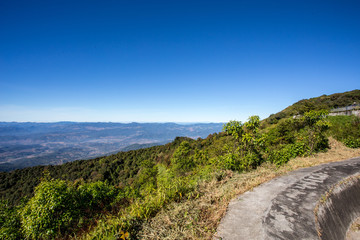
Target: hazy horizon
180,123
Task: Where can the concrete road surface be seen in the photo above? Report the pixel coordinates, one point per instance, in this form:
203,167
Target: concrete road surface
283,208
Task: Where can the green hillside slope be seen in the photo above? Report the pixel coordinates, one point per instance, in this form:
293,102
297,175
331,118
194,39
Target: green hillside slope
326,102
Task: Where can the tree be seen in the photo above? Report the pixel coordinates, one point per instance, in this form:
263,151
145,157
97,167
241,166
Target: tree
182,160
246,153
315,125
234,128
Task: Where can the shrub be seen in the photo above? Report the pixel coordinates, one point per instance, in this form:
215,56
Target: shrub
96,195
287,152
10,225
234,128
314,130
51,212
352,142
182,160
346,129
58,207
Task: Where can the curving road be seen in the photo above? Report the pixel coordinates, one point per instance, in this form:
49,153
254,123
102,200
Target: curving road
283,208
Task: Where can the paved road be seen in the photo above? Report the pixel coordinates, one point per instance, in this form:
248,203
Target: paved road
283,207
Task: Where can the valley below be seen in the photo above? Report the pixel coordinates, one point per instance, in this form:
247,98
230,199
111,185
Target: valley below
30,144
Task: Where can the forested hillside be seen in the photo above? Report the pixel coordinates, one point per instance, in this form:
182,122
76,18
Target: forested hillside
30,144
324,102
115,169
117,196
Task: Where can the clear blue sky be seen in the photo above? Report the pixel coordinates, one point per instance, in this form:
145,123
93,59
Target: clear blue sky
181,61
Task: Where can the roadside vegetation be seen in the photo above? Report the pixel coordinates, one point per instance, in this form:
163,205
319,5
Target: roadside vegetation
346,129
324,102
176,191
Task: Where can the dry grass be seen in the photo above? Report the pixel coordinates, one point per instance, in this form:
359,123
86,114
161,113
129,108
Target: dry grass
355,226
198,217
353,232
337,152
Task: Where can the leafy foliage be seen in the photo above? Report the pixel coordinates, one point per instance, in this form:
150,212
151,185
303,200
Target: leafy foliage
246,152
58,207
9,221
346,129
51,211
182,160
297,136
234,128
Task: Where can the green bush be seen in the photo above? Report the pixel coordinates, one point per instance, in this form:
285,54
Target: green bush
52,211
96,195
234,128
182,160
298,136
10,224
246,152
235,162
287,152
145,181
58,207
352,142
230,161
346,129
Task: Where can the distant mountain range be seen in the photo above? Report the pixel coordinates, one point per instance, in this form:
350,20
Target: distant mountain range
30,144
